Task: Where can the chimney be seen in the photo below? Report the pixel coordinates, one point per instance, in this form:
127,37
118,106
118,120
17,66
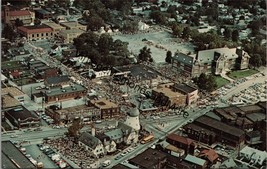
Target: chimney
93,131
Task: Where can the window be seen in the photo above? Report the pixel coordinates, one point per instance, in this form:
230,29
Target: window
51,33
33,35
42,34
46,34
37,34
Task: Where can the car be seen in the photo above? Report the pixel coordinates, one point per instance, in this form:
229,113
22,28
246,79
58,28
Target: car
77,98
39,145
118,157
124,153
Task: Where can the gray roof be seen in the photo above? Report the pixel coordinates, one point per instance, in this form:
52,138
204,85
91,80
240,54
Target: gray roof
188,60
213,115
57,79
58,91
195,160
256,116
184,88
125,128
89,140
115,134
11,152
228,163
134,112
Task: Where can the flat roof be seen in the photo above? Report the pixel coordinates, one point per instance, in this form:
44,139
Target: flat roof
13,153
7,163
13,91
54,25
35,29
71,24
70,89
9,101
104,104
198,128
57,79
21,113
69,31
72,112
168,92
195,160
212,123
148,159
42,11
184,88
250,108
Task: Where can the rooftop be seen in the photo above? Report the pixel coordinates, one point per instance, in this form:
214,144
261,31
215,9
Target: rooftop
180,139
42,11
256,117
195,160
183,58
21,113
35,29
70,89
70,31
148,159
71,24
103,104
167,92
53,25
89,140
9,101
20,13
12,91
212,123
12,153
251,108
184,88
57,79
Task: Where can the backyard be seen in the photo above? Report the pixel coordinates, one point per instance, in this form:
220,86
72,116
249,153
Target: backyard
242,73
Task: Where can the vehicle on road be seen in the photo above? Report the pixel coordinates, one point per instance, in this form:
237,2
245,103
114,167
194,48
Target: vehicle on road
118,157
147,139
106,163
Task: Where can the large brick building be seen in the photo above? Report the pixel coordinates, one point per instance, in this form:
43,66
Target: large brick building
36,32
107,108
215,61
10,16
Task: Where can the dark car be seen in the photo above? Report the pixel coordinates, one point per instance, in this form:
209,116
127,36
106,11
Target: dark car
78,97
49,152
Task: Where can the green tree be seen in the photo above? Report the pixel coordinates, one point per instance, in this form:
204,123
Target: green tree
18,22
8,32
186,33
104,43
74,129
158,16
205,82
177,30
168,58
145,55
130,26
227,33
95,22
235,35
255,60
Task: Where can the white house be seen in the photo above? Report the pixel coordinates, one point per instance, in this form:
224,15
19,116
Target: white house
92,144
255,156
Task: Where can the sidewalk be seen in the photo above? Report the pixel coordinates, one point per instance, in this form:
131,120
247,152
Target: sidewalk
226,77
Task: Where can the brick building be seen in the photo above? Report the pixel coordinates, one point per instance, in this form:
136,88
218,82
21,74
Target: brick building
108,109
36,32
184,143
10,16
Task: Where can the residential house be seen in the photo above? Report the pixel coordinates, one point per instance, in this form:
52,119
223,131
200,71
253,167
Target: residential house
108,143
92,144
257,157
209,155
43,14
38,32
253,137
108,108
170,149
184,143
215,61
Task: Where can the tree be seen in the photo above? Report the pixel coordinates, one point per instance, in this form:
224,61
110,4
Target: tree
8,32
158,16
145,55
177,30
235,35
255,60
186,33
168,58
95,22
205,82
105,43
37,21
76,126
130,26
18,22
227,33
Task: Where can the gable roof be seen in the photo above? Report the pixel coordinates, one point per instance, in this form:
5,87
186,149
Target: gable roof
210,154
180,139
89,140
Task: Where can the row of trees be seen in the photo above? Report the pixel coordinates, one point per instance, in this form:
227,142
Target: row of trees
102,49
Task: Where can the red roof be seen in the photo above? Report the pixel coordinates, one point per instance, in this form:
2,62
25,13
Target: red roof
20,13
15,74
210,154
180,139
32,29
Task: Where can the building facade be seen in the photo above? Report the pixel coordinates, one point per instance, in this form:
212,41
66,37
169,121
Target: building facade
217,61
36,32
10,16
107,108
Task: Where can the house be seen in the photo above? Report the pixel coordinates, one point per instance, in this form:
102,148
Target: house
43,14
197,162
181,142
215,61
108,143
37,32
190,92
74,25
91,144
9,15
170,149
108,108
209,155
150,158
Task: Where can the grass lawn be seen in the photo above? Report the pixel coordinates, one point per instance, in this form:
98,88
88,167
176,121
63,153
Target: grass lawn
241,73
220,81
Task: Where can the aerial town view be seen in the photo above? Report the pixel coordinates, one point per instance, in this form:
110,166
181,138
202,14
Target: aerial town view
121,84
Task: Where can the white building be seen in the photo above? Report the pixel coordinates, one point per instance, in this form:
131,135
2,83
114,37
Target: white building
255,156
132,119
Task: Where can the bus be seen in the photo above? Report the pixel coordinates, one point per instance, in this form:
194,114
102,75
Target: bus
147,139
